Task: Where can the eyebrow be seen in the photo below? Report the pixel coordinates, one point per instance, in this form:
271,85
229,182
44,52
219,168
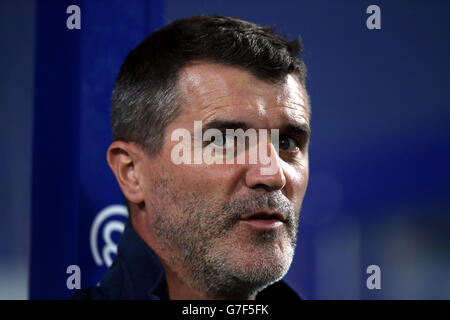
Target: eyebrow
295,128
225,124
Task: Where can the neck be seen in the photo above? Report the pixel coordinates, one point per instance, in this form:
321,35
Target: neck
180,289
180,283
175,275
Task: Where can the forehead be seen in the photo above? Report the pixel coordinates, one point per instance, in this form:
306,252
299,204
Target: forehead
209,90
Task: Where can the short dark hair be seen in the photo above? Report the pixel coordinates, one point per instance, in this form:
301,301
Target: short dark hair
144,100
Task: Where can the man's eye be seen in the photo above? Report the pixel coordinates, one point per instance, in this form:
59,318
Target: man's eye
287,143
223,142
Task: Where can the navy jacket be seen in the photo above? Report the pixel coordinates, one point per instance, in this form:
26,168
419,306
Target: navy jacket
138,274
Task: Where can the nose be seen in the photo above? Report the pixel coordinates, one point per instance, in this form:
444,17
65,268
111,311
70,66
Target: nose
266,173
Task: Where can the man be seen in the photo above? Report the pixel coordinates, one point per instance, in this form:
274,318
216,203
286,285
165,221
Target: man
200,229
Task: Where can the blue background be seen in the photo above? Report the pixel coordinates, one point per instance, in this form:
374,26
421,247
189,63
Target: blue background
379,189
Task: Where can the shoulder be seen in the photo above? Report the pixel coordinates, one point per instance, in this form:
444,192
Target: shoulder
111,287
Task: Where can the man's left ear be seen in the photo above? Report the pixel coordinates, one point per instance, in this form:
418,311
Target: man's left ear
122,158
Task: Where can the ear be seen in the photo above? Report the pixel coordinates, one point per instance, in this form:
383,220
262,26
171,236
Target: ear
122,159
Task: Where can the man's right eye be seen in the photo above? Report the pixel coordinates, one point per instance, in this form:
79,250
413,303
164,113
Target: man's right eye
221,142
225,141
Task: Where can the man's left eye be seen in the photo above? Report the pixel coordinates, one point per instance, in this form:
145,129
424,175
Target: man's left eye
287,143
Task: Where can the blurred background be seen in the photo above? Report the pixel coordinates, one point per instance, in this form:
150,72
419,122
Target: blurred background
379,190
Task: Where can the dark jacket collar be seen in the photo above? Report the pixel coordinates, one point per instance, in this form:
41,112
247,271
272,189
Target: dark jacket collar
137,270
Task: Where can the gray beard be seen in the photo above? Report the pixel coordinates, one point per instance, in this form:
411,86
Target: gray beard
202,225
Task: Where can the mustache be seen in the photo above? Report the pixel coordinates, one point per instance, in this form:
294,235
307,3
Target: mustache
273,201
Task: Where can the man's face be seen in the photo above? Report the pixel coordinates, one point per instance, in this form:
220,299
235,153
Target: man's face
199,211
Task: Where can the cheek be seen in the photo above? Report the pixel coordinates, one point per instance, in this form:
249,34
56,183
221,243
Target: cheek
210,180
198,178
297,177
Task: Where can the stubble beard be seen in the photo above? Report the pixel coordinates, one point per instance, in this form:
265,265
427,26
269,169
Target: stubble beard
199,235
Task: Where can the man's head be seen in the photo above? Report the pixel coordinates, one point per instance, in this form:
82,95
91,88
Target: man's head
200,218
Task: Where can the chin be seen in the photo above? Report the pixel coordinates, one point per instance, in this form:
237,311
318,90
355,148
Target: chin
263,265
246,280
240,269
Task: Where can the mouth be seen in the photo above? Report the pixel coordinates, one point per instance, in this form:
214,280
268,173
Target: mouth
263,220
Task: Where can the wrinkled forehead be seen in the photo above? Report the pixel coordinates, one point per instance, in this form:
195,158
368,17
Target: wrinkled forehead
207,89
